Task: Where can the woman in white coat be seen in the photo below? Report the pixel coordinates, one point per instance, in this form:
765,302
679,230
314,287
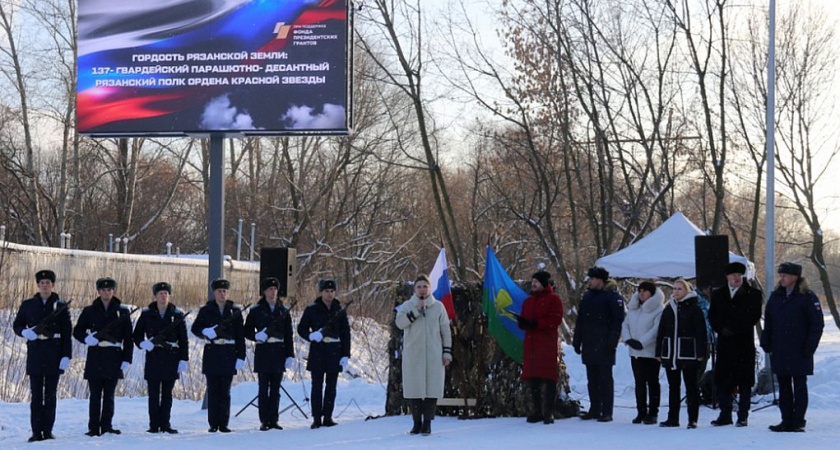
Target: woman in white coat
427,350
639,332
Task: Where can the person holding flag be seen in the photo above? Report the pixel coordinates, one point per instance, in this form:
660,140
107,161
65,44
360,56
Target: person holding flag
427,350
542,313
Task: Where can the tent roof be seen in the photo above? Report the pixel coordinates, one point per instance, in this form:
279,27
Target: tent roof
667,252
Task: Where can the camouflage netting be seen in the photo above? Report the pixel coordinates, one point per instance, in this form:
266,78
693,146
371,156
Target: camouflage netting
480,369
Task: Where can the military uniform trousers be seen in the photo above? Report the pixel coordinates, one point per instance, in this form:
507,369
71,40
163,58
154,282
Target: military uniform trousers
793,399
42,390
269,396
323,403
218,400
160,403
101,406
600,384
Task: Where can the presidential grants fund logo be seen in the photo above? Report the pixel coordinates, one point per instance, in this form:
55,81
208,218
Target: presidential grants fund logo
306,34
282,30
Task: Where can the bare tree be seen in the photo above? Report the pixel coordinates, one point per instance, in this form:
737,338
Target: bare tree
19,80
807,65
398,26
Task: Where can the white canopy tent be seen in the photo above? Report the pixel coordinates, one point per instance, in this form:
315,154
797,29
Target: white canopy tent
667,252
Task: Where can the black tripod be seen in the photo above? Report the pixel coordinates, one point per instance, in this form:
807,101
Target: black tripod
294,404
775,401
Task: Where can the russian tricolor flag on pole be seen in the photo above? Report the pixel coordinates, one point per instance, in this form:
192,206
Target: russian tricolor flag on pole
439,279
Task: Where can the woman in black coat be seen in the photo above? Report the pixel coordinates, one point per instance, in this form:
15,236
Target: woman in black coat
680,346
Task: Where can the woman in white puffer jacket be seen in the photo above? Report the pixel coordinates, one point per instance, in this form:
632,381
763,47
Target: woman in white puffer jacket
639,333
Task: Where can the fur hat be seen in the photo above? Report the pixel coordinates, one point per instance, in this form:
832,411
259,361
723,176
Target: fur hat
162,286
543,277
269,282
790,269
327,283
106,283
598,272
736,267
44,275
220,283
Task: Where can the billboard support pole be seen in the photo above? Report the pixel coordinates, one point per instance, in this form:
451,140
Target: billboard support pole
216,211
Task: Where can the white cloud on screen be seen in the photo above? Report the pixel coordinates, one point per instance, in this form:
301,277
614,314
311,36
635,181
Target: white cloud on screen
219,114
301,117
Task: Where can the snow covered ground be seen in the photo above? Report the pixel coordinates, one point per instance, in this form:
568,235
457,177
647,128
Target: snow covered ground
358,399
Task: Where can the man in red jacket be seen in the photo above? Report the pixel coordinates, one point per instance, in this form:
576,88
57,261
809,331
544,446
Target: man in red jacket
542,313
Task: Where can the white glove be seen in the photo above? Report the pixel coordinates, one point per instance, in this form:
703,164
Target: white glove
124,365
147,345
240,363
29,334
182,366
210,333
64,363
261,336
316,336
290,363
344,361
91,341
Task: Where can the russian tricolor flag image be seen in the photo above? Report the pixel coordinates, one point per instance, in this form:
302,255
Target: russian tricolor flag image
439,279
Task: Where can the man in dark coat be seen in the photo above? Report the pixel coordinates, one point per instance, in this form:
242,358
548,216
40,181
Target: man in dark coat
324,324
105,327
733,313
542,313
44,321
269,325
219,324
162,333
597,332
793,326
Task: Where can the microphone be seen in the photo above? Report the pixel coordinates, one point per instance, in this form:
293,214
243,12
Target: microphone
423,309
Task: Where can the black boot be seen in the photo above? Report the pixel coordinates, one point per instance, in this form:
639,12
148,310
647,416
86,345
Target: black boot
429,405
536,402
549,401
416,415
640,415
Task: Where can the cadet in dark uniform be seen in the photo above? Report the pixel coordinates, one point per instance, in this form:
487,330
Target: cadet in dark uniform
597,332
324,324
45,323
105,327
793,326
270,326
162,334
219,323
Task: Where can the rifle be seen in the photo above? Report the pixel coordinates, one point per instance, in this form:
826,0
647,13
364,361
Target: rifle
327,326
45,326
272,330
159,339
224,324
104,333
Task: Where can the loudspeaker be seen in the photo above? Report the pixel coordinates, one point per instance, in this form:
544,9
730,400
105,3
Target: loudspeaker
711,255
280,263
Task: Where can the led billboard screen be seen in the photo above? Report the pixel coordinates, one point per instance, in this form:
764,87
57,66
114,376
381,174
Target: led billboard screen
175,67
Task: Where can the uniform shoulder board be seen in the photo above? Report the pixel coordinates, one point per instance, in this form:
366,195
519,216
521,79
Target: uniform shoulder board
124,307
59,302
254,306
145,309
178,311
237,307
